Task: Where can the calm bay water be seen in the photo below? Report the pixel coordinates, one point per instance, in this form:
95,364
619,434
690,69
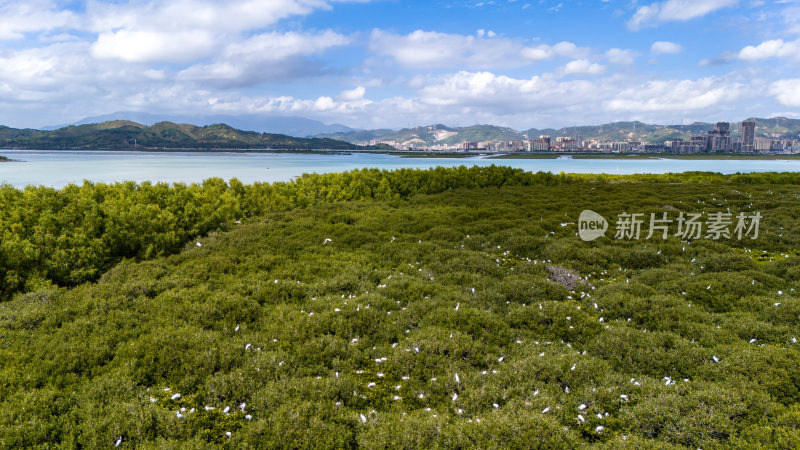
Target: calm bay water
59,168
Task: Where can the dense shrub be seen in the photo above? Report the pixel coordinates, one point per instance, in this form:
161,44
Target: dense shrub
420,320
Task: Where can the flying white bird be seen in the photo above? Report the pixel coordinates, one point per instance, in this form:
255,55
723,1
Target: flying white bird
544,411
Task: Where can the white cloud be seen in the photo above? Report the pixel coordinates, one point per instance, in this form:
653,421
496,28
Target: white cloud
265,56
624,57
278,46
182,15
346,103
777,48
786,92
675,10
676,95
154,46
18,18
562,49
665,48
430,49
182,30
60,78
583,67
353,94
503,95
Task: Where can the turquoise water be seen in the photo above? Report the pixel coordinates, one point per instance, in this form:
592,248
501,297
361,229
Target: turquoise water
59,168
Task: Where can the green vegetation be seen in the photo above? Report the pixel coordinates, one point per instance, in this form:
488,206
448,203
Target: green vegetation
441,308
126,135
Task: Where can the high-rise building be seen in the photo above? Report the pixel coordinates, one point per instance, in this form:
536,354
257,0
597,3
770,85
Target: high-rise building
720,137
748,135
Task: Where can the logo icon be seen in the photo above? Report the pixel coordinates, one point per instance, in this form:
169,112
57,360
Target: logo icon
591,225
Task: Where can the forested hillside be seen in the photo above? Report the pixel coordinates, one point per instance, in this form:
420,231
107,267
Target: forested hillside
411,309
127,135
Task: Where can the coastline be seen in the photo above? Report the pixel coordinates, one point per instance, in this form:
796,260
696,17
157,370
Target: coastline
432,154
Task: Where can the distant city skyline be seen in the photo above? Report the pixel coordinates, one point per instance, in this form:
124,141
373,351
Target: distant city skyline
388,63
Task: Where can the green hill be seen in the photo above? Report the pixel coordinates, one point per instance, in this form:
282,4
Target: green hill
126,135
611,132
470,318
430,135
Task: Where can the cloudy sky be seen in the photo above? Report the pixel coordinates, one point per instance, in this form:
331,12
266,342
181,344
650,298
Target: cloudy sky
394,63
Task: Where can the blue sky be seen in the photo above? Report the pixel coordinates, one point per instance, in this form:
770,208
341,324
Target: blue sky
392,63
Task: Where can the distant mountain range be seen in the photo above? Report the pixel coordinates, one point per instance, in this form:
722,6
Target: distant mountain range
128,135
779,127
262,123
